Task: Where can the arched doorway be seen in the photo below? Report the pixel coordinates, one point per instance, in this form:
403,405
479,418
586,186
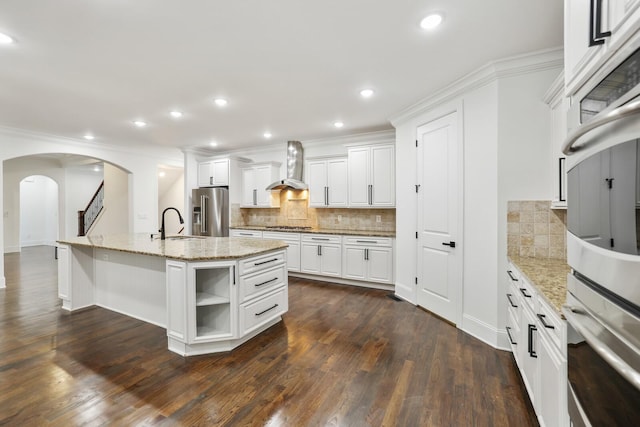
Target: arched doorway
39,197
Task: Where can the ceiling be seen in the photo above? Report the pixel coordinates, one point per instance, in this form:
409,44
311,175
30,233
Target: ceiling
289,67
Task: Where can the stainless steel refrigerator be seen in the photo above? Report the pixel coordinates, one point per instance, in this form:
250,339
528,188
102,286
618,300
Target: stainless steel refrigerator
210,215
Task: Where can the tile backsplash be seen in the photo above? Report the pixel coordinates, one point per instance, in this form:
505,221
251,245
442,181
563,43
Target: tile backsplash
294,210
536,230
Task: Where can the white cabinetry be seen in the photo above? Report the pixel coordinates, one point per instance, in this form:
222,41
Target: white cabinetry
257,234
367,258
216,306
619,17
213,173
255,180
371,176
558,107
293,251
327,181
539,349
321,254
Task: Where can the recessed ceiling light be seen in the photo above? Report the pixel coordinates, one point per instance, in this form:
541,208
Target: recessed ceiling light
96,168
213,144
176,114
431,21
89,137
220,102
338,124
140,123
267,135
366,93
162,174
5,39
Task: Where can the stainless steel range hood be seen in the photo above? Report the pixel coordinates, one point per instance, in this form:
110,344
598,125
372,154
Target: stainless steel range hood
295,160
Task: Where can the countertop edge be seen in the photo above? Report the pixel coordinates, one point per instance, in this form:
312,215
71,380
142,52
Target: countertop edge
371,233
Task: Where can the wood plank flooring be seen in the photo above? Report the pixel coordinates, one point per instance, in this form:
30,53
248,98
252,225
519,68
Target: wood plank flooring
344,356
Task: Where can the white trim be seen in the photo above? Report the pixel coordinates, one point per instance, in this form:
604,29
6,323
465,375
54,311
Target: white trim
555,90
512,66
481,330
11,249
406,293
142,319
340,281
3,283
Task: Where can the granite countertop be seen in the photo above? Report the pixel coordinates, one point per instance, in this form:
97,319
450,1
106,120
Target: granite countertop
372,233
549,276
194,249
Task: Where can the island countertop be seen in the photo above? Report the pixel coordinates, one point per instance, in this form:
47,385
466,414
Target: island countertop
343,232
181,248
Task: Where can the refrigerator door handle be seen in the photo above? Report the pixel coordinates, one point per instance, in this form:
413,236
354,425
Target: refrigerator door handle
205,214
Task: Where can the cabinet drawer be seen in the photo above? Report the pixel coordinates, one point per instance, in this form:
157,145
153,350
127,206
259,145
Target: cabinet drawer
550,324
367,241
261,283
257,313
281,235
261,262
246,233
321,238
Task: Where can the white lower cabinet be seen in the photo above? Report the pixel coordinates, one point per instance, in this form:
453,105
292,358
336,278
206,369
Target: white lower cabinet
216,306
538,340
321,254
293,251
257,234
368,259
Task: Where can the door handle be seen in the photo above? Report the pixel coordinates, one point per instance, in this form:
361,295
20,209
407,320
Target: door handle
450,244
531,350
542,318
205,215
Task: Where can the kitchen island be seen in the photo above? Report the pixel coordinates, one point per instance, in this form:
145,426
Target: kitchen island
210,294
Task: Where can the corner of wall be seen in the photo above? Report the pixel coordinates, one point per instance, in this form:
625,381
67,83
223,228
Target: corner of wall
482,330
3,283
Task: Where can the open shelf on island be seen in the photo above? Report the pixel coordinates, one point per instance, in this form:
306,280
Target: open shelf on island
205,298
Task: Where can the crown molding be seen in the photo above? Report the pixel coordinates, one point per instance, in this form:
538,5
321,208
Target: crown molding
508,67
556,90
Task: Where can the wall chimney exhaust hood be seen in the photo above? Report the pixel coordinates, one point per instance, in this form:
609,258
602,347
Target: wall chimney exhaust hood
295,160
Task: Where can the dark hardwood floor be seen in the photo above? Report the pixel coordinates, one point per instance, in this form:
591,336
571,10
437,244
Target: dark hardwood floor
344,356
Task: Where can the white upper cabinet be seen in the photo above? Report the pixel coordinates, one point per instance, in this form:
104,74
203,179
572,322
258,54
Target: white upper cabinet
558,107
371,176
327,181
255,180
214,172
587,49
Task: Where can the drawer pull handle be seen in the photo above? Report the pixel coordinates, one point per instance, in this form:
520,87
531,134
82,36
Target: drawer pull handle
510,301
531,350
524,292
245,234
542,318
367,241
510,273
268,309
264,283
320,238
265,262
509,335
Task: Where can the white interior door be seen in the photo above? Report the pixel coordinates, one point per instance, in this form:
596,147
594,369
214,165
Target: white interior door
439,254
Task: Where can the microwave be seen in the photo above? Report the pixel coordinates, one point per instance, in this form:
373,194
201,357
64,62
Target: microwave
603,251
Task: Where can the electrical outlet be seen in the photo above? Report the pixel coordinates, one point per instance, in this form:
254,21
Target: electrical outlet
378,218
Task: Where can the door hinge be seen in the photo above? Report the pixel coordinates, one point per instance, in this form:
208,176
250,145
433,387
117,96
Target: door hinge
416,280
612,243
416,143
416,234
417,187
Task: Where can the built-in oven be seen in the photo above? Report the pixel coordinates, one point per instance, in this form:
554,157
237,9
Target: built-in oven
603,250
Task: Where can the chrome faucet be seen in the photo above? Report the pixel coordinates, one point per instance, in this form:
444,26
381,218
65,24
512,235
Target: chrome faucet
162,236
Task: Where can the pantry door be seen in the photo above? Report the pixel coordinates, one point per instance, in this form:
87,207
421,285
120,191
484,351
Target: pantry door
439,218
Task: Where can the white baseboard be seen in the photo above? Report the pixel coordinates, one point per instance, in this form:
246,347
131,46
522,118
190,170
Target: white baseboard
341,281
407,293
482,330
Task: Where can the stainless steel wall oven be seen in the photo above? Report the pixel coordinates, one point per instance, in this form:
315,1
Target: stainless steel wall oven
603,250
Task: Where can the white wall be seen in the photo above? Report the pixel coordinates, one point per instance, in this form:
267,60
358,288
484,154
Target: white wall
172,197
505,125
114,218
38,211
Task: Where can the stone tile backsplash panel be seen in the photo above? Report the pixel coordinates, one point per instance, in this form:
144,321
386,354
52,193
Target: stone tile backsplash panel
536,230
294,212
